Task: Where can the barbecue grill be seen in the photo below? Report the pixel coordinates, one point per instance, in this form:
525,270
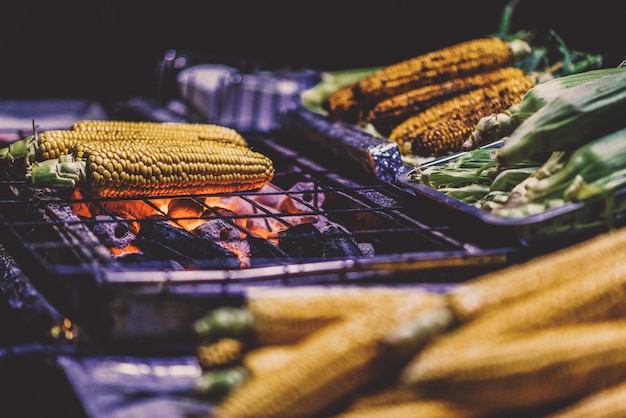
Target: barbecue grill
100,286
320,226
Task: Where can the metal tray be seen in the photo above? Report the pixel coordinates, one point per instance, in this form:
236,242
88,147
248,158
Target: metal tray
545,231
571,221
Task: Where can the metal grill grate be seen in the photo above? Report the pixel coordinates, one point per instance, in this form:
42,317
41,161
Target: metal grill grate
53,241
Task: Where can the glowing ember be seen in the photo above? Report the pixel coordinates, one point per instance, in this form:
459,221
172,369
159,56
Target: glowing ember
225,220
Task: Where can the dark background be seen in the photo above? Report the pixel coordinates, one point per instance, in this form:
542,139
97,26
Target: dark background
110,49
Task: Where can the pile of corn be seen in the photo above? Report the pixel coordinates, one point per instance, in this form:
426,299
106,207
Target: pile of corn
109,158
429,104
563,143
546,337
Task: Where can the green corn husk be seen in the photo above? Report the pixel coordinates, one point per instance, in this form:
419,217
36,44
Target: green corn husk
594,171
577,116
593,161
580,189
469,194
498,125
509,178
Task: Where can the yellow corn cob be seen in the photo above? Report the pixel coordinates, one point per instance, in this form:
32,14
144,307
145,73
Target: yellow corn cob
220,352
444,127
527,370
329,365
268,359
285,316
52,144
478,296
205,131
605,403
158,168
381,393
427,408
597,296
459,60
388,113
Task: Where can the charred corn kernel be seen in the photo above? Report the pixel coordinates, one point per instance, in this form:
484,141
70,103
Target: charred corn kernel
341,105
484,293
445,126
220,352
205,131
156,168
328,365
604,403
526,370
285,316
388,113
443,138
427,408
459,60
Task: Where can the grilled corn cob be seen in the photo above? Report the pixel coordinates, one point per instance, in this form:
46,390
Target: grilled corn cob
342,105
459,60
388,113
315,98
425,133
154,167
327,366
205,131
527,370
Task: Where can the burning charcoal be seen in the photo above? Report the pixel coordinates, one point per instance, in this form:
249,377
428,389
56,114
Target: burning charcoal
112,231
159,237
217,229
338,242
263,251
225,234
302,241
